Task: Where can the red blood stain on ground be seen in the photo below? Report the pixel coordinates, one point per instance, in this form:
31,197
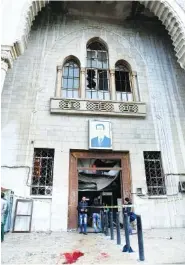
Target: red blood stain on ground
71,257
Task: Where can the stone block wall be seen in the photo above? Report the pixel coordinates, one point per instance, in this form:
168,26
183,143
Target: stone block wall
28,124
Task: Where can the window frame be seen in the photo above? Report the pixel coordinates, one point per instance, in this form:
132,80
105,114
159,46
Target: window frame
96,91
125,65
96,59
40,167
83,80
156,178
96,68
67,77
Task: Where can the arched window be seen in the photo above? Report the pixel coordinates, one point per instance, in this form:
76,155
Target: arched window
97,74
123,81
71,79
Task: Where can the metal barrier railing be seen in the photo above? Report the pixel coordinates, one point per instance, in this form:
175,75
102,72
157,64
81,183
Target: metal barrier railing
107,221
140,238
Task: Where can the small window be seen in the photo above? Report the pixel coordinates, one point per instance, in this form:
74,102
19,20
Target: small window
122,82
97,75
71,80
154,173
42,174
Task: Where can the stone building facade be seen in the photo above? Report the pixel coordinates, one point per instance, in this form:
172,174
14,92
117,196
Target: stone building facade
149,121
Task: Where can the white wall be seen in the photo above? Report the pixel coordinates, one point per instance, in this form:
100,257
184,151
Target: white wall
27,122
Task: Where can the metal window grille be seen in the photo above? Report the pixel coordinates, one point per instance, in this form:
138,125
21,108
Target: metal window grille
154,173
123,82
97,79
71,80
42,174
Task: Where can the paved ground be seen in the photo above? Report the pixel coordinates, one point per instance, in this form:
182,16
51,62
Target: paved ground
45,248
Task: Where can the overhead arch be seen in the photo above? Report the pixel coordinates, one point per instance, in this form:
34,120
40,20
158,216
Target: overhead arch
29,12
173,24
172,17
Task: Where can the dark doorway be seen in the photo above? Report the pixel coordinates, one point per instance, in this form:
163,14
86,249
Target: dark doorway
105,176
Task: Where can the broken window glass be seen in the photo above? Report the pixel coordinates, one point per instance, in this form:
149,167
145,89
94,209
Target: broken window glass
91,79
97,72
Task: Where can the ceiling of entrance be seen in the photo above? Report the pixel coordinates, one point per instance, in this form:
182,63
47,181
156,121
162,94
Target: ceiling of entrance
119,10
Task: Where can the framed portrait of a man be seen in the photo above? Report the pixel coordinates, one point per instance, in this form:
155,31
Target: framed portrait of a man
100,134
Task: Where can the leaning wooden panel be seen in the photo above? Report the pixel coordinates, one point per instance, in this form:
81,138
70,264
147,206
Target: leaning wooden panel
23,216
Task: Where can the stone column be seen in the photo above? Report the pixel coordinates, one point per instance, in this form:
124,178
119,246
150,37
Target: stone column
135,88
82,82
58,93
4,68
112,85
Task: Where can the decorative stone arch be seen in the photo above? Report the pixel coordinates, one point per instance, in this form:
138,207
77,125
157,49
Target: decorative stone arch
172,18
162,9
9,52
29,12
173,24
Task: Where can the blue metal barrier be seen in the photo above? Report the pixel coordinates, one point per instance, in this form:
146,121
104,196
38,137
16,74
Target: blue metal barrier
118,229
106,224
111,226
140,238
102,222
127,247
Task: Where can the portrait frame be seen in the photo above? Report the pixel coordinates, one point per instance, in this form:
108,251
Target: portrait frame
97,127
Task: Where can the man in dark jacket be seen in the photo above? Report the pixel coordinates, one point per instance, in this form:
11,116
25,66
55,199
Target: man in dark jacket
82,211
96,216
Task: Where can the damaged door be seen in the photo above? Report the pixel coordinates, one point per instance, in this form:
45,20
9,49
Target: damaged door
125,180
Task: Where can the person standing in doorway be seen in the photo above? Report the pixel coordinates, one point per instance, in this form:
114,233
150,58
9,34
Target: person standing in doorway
96,216
4,206
82,211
